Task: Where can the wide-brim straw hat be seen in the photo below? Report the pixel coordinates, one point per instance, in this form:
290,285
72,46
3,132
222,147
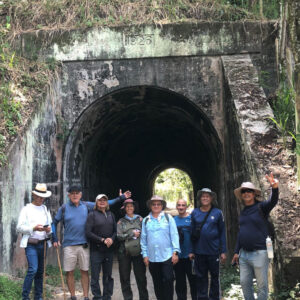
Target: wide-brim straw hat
128,201
248,185
209,191
41,190
157,198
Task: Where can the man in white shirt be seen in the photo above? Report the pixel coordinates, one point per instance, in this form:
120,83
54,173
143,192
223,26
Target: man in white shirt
35,224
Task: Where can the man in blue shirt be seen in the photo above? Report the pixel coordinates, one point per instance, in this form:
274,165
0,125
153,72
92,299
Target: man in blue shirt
250,251
209,244
183,268
160,247
74,215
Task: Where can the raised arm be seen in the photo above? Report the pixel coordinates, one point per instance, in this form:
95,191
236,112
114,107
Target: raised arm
268,205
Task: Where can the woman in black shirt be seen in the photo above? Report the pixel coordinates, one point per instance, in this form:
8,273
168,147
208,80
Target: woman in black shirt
101,230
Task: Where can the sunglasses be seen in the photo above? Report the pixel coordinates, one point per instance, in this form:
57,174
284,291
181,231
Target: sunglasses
156,204
247,191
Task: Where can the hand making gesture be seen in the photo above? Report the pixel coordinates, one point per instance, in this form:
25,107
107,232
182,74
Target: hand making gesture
273,182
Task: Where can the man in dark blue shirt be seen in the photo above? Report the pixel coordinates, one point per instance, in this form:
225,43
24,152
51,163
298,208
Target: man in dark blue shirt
209,244
250,250
183,268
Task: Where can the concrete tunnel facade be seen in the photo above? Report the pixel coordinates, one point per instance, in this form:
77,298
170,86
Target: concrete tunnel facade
129,103
125,139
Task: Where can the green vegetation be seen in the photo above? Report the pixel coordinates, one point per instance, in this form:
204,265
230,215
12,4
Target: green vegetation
10,289
22,83
230,281
53,276
284,111
173,184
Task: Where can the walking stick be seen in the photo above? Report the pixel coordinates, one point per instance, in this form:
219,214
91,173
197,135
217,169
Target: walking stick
61,274
44,275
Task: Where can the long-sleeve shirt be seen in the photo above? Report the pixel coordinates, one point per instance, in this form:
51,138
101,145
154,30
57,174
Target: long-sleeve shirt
253,226
159,238
74,221
100,225
212,239
184,225
30,216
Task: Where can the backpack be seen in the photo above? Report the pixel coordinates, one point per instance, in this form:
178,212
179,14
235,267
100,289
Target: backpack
133,247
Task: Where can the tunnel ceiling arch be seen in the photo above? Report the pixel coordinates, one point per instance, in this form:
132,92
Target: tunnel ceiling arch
126,138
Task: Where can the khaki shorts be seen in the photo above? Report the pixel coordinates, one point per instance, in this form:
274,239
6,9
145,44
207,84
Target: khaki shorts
74,254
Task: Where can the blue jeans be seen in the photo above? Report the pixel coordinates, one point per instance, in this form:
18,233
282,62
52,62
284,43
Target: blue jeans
254,264
35,260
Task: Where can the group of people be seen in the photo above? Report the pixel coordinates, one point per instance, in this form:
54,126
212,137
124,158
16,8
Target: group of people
187,246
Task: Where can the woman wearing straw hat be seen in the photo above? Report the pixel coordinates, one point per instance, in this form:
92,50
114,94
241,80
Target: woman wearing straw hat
101,231
160,247
35,224
208,244
250,251
128,232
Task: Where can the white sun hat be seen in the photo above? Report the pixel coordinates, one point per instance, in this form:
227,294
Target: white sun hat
41,190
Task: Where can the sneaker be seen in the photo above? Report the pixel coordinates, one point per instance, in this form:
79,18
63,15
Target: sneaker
86,298
73,298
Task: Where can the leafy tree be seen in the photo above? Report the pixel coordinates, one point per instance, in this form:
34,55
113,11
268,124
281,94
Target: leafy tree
173,184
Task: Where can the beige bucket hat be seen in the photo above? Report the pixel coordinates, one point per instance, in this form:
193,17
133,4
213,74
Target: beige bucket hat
248,185
157,198
41,190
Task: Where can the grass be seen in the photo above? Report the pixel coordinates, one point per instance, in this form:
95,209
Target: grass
53,276
23,84
10,289
68,14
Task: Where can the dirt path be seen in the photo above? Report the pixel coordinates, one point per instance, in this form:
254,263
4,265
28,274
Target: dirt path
58,293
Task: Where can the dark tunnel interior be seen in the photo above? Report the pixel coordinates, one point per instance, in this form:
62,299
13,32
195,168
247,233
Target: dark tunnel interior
127,138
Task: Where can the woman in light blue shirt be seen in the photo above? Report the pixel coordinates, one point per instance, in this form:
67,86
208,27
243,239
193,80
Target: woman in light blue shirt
160,247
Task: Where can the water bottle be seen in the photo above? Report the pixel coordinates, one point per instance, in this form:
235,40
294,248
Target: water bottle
269,247
193,267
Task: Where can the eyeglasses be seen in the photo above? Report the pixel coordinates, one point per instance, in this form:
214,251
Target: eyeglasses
156,204
247,191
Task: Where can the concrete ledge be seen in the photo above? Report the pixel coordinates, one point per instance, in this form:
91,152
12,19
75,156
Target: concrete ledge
218,38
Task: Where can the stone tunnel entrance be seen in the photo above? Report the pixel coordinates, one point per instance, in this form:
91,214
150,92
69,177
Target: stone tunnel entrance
125,139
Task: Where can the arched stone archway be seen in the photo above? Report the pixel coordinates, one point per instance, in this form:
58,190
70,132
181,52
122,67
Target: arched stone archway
124,139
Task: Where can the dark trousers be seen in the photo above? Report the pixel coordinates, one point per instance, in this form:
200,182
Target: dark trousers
203,265
104,260
139,270
182,270
35,260
163,277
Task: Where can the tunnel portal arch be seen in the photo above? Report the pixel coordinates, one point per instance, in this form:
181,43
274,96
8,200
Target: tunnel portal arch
126,138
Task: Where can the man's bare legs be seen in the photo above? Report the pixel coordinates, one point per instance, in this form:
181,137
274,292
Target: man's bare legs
71,282
85,282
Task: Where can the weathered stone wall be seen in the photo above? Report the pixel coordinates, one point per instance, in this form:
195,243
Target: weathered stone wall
109,76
